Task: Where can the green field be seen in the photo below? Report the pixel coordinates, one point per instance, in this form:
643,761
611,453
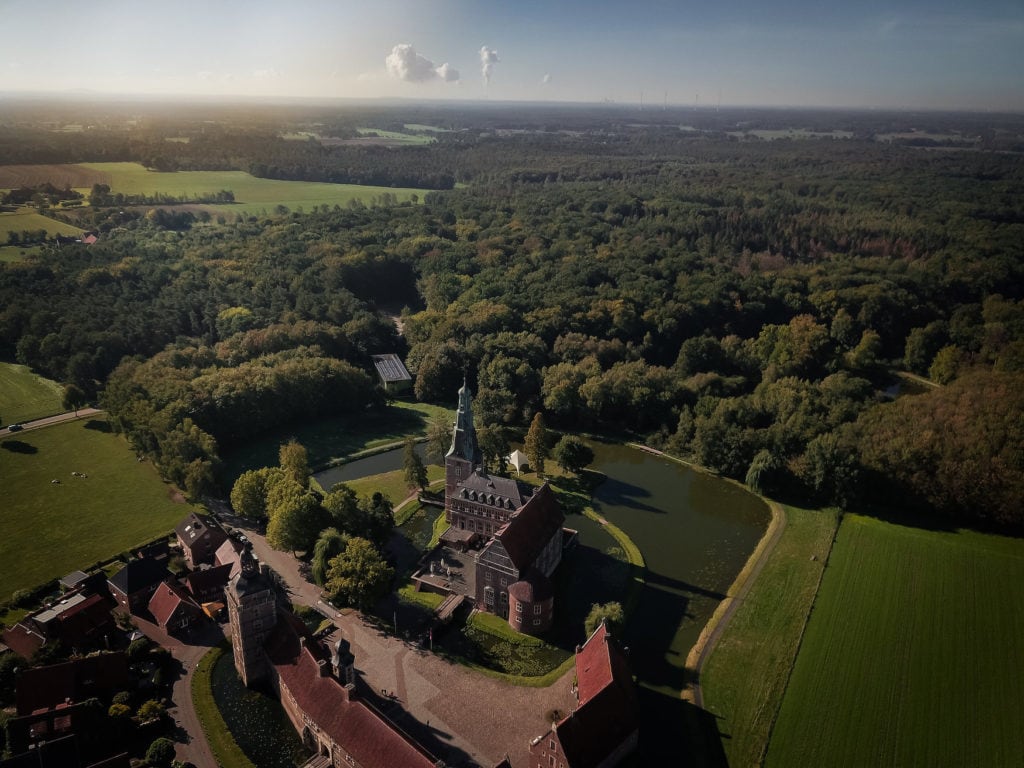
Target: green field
391,484
27,219
396,137
25,396
47,529
330,440
252,195
745,677
12,253
912,656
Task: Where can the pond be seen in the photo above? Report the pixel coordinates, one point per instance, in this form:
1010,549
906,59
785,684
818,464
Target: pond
695,531
378,464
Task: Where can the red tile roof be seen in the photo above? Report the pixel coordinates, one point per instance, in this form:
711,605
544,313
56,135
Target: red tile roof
529,531
168,599
203,582
366,734
77,680
607,712
23,640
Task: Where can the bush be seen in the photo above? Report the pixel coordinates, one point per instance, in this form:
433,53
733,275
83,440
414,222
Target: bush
160,753
137,650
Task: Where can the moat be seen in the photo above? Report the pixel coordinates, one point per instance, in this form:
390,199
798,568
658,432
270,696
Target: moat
695,531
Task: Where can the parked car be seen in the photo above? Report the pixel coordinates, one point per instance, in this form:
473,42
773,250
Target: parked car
14,427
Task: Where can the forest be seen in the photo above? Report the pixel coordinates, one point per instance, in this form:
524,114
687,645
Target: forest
838,321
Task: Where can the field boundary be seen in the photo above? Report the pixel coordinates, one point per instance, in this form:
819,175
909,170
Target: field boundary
800,641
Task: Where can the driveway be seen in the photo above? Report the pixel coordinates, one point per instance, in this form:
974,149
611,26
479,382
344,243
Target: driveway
465,717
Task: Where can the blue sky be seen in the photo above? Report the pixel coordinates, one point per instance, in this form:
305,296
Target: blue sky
941,54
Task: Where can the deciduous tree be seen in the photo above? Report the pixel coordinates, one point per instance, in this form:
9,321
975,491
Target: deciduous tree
537,443
359,576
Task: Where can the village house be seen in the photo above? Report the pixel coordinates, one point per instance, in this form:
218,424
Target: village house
199,538
174,610
133,585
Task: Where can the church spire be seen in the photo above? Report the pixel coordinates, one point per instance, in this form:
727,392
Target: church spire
464,436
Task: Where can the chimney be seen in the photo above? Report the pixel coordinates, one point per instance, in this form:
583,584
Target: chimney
323,668
350,691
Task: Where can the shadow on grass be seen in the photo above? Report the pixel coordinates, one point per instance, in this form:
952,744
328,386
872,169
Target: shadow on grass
17,446
98,425
675,732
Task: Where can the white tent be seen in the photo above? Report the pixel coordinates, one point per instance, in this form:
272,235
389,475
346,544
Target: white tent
518,460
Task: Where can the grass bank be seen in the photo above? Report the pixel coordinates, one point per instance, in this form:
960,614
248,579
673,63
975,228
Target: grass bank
49,529
25,395
223,746
912,654
761,641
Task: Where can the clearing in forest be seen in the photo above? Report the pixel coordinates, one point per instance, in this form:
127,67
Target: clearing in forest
912,653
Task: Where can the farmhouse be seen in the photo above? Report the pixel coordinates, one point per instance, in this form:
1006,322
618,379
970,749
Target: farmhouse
522,528
199,538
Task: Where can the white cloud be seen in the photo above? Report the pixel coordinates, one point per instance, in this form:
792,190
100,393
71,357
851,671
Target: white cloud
488,58
405,64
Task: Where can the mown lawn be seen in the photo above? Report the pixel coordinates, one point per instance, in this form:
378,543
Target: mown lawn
391,484
47,529
25,395
27,219
912,656
329,440
745,677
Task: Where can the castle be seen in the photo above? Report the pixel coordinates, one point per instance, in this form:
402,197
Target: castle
522,528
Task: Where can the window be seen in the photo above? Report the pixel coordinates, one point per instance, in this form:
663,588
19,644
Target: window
519,607
487,575
504,581
551,746
536,610
536,622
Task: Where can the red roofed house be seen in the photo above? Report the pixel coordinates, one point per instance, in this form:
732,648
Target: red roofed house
199,538
207,584
45,688
603,729
174,610
316,688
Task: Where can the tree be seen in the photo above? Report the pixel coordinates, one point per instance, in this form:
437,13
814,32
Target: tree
378,518
946,365
150,710
572,454
412,465
74,398
342,504
494,446
160,753
249,493
537,443
329,545
359,576
295,462
296,522
119,711
610,613
439,437
763,474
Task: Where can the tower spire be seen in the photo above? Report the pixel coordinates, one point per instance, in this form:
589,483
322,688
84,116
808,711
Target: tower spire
464,435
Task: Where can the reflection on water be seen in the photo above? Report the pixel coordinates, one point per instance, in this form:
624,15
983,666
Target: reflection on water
695,532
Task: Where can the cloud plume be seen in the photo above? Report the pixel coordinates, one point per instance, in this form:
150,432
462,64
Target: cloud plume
405,64
488,58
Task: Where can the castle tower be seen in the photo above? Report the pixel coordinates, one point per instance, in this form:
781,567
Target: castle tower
252,612
343,662
464,454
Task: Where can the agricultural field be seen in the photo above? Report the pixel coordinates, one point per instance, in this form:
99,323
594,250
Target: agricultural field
60,175
48,529
25,395
912,653
763,636
29,220
395,138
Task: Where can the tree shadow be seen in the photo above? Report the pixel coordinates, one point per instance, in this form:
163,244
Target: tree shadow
675,732
615,492
98,425
19,446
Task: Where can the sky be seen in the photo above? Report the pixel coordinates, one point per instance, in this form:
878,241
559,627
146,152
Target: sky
911,54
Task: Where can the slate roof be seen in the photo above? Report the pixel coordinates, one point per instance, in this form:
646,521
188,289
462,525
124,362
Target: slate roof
607,711
138,575
77,680
390,368
527,533
493,490
168,599
196,528
361,730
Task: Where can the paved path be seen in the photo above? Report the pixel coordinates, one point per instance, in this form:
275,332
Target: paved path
190,744
49,421
473,718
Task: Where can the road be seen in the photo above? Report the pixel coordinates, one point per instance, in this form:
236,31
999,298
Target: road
49,421
190,743
463,716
